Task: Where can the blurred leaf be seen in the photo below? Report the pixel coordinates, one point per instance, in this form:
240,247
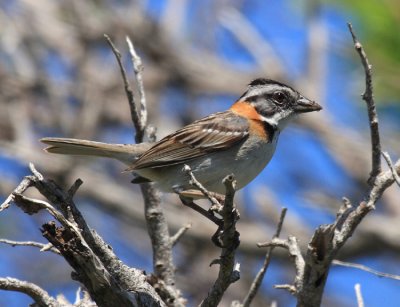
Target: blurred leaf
378,27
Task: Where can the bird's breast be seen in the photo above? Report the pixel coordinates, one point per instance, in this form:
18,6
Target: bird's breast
251,159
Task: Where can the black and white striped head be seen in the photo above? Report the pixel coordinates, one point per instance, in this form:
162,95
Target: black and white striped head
277,103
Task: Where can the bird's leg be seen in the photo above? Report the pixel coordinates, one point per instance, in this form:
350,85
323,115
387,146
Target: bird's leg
206,213
217,200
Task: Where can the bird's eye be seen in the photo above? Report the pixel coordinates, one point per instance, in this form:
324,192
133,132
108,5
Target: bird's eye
279,97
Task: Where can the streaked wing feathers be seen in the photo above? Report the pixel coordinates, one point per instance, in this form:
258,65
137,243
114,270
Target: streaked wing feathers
218,131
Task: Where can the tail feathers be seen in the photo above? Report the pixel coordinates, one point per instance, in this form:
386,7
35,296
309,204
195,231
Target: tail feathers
124,153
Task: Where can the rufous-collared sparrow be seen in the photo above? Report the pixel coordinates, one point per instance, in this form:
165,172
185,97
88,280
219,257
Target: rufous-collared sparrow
240,140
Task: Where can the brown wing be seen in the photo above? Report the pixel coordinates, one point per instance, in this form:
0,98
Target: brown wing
216,132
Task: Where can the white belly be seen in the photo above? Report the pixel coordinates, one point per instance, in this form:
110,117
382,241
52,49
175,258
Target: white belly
245,162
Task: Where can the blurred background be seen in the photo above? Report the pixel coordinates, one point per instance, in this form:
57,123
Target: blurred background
58,77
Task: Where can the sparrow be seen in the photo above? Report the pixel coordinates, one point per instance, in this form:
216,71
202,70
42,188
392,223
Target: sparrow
240,141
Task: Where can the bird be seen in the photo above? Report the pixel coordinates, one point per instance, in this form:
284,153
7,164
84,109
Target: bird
239,141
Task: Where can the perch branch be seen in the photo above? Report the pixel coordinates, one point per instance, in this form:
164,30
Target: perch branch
206,213
193,181
229,239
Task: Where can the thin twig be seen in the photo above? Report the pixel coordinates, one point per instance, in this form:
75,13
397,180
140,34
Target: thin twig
129,93
292,289
368,97
41,204
35,172
366,269
360,300
260,275
40,296
138,68
215,203
21,188
43,247
292,245
391,166
176,237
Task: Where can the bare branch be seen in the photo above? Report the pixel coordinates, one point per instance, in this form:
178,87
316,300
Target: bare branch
391,167
41,204
157,228
40,296
260,275
21,188
35,172
215,203
94,264
360,300
229,238
292,289
328,239
368,97
366,269
74,188
292,245
138,68
43,247
176,237
129,93
155,219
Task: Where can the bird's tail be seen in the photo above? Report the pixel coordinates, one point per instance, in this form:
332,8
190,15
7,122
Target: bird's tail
122,152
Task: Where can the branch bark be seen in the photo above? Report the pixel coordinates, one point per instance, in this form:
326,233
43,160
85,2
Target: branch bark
229,239
260,275
368,97
312,271
94,263
157,227
40,296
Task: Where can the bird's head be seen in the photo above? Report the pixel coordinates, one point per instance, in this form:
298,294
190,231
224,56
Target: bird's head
276,103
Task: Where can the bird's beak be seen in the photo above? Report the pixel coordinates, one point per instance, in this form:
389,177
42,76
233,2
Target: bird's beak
304,105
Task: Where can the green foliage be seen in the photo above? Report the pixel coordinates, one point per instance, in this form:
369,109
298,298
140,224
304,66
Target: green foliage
378,27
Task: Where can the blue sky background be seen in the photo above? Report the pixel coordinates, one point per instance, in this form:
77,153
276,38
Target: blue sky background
285,26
